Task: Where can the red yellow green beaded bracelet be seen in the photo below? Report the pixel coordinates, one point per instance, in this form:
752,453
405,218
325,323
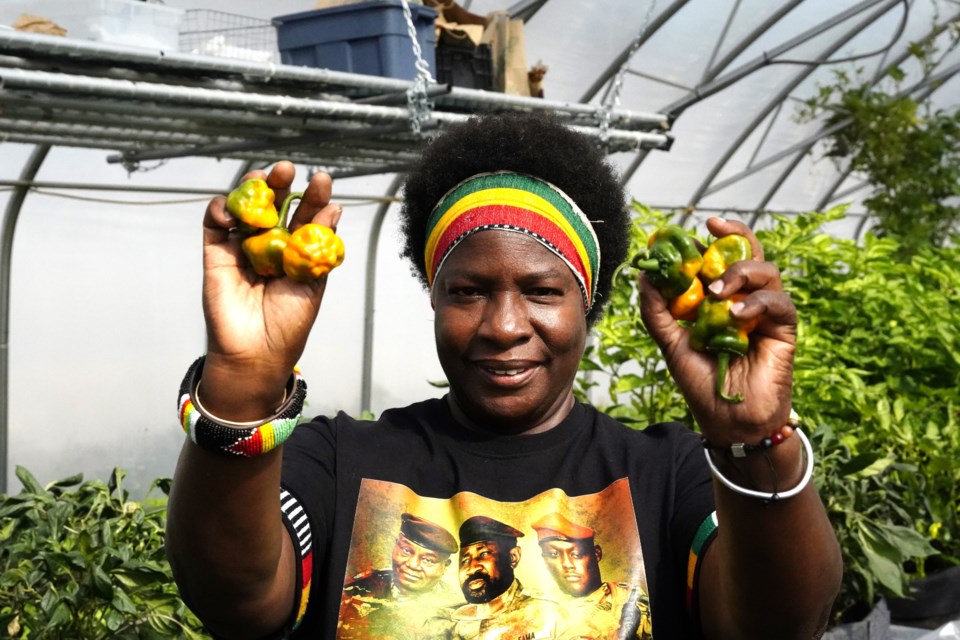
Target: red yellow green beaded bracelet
232,438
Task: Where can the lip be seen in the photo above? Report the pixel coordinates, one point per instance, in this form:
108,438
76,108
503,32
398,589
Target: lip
506,373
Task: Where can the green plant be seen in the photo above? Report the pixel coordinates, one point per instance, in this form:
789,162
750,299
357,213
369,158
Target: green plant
906,148
621,354
79,559
875,380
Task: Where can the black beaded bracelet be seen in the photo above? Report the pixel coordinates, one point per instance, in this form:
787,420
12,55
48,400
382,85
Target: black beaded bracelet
238,439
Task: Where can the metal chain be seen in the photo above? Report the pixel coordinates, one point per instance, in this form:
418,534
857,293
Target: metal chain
417,102
612,100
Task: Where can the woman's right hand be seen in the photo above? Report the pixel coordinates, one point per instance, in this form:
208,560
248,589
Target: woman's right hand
257,327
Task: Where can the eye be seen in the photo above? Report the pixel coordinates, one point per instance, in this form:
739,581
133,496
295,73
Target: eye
545,292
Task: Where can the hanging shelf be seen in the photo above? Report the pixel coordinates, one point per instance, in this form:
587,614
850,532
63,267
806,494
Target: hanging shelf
149,104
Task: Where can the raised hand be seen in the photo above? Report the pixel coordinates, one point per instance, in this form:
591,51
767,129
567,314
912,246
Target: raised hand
257,327
764,376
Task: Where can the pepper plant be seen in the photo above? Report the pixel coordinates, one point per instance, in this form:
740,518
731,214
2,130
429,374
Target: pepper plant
79,559
877,363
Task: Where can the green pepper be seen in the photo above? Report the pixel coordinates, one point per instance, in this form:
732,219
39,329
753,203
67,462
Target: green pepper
722,253
671,260
719,333
312,251
252,204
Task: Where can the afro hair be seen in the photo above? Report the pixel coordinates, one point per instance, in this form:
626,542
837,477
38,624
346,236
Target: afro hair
536,144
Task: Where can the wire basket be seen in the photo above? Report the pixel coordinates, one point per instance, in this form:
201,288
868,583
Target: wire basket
228,35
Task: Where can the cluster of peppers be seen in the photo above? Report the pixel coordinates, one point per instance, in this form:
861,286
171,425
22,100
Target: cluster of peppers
308,253
675,266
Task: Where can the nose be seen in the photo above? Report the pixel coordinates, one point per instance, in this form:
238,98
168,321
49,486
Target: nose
566,561
505,319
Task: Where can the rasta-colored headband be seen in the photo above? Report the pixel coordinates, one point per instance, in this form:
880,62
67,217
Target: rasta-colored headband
515,202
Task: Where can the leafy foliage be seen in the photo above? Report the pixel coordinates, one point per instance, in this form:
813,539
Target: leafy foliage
907,149
876,374
639,387
80,560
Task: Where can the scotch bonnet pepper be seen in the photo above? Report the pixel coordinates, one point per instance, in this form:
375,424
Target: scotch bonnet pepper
311,252
265,250
252,204
671,261
723,253
716,331
308,253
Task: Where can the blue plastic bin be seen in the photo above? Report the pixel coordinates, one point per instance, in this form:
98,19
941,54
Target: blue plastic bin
368,37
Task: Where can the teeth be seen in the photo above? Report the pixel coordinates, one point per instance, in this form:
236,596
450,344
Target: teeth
506,372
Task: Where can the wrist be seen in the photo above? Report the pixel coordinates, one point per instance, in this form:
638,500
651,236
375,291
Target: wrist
241,391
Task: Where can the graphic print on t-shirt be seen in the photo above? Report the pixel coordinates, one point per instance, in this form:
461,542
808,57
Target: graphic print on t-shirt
468,567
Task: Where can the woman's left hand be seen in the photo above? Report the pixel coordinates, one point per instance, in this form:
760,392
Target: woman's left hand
764,376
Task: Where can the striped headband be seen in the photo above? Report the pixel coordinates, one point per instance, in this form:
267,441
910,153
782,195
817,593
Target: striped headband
515,202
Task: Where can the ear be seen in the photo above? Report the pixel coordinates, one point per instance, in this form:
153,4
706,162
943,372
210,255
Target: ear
514,557
597,551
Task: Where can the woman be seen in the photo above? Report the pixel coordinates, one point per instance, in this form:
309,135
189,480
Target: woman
516,225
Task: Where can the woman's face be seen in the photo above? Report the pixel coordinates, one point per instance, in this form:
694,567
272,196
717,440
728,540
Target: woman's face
510,331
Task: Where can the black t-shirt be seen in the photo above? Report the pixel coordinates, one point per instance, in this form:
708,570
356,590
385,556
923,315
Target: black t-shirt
643,495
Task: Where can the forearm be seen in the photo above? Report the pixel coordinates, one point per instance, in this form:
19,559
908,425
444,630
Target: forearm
230,554
774,569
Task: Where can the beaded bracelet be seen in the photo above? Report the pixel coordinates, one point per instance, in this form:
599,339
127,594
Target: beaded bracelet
741,449
774,495
245,439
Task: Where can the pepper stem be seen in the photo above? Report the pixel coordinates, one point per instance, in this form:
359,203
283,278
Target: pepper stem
285,207
646,265
723,367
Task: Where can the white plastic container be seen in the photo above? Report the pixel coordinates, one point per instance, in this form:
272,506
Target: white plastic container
129,22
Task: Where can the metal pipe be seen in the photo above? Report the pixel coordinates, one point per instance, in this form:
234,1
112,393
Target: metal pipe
369,296
767,57
621,59
197,96
878,76
242,170
731,55
931,83
706,183
72,49
342,135
617,139
10,216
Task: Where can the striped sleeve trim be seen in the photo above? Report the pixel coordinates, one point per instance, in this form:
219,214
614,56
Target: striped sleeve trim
700,541
299,525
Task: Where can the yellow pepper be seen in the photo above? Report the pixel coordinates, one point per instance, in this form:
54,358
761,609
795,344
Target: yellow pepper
312,251
252,204
265,251
722,253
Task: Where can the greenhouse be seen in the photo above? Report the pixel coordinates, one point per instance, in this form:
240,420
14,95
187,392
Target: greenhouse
831,129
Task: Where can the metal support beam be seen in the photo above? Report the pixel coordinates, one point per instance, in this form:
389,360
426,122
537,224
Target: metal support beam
10,217
706,90
878,76
342,135
727,60
370,295
765,110
621,59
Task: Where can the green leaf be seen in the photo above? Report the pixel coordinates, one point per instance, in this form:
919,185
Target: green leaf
30,483
865,465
